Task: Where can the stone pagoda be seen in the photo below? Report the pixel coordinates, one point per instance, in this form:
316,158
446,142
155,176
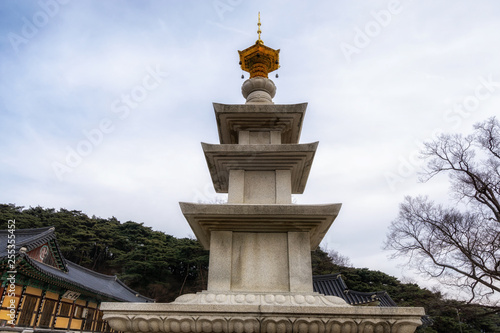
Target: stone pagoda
260,276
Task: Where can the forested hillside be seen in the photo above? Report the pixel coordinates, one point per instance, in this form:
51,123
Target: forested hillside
151,262
161,266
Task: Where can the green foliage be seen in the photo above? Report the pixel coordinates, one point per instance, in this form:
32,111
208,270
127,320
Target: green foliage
322,264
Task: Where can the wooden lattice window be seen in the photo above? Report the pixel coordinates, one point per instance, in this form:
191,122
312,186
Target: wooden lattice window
78,312
27,311
65,309
100,322
48,309
89,320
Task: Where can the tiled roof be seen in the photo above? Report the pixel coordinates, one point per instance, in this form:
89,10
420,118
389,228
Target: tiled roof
333,285
28,238
75,275
100,284
31,239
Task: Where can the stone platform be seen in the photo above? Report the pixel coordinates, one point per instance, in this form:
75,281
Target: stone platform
260,313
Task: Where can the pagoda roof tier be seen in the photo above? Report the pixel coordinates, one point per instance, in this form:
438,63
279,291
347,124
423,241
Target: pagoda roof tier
295,157
286,118
205,218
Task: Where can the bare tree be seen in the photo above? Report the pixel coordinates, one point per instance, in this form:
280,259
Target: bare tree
339,259
461,247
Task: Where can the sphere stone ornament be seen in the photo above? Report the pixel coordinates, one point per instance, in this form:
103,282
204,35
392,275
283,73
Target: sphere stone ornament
258,90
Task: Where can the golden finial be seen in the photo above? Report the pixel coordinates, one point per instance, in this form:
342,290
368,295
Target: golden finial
259,41
259,59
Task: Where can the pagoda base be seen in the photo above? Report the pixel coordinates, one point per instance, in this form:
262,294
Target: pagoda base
259,313
252,298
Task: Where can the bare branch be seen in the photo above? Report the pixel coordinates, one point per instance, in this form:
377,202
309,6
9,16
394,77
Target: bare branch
461,248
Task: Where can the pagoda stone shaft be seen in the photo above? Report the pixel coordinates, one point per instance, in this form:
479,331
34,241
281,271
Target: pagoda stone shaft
259,241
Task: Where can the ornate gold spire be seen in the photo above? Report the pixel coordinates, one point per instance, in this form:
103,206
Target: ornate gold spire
259,41
258,59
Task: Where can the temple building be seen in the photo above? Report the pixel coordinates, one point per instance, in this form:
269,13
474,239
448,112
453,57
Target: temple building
42,290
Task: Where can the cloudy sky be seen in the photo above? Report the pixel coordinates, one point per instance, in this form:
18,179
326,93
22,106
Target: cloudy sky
103,104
